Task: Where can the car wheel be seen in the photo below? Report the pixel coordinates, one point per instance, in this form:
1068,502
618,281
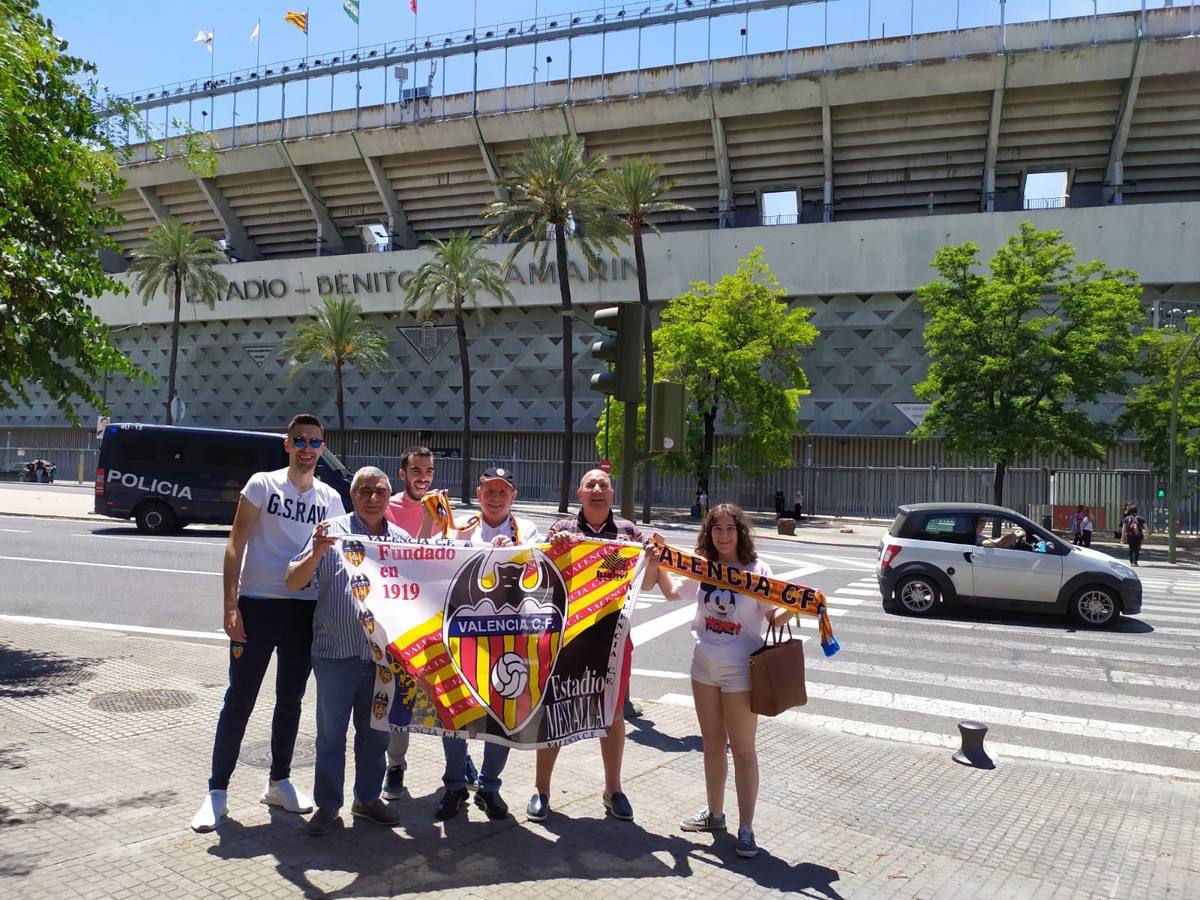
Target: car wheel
1095,606
21,476
917,595
155,518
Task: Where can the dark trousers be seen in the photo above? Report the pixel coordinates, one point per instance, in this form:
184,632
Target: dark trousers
1135,550
1087,538
284,628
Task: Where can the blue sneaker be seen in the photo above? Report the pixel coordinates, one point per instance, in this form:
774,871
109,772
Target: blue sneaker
745,846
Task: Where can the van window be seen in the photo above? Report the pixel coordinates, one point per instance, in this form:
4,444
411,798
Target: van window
151,452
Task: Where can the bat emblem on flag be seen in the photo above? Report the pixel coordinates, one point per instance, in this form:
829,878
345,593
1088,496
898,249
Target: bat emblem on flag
367,620
379,705
355,552
503,628
360,586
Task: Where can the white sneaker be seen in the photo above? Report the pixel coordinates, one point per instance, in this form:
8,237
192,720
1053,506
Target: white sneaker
210,813
286,795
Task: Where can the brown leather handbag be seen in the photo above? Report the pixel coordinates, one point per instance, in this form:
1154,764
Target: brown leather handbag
777,673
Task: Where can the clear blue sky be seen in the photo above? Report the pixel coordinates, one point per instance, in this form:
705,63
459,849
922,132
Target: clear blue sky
140,45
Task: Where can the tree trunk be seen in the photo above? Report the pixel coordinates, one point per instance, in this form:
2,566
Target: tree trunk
461,327
341,403
998,483
174,348
639,255
568,367
710,441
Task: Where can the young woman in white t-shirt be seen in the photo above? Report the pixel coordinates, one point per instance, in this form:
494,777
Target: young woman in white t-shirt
728,627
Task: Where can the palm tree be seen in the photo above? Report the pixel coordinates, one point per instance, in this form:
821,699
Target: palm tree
637,193
338,334
456,275
555,189
177,261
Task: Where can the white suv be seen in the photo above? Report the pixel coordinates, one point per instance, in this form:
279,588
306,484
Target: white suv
992,557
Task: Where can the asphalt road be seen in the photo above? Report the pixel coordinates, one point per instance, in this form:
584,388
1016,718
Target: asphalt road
1122,699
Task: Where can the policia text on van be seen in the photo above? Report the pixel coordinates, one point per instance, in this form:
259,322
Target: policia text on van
165,477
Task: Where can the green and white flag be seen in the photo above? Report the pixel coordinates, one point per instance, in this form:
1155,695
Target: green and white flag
350,7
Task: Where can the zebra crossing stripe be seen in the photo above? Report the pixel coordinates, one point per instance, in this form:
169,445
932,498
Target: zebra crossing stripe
997,749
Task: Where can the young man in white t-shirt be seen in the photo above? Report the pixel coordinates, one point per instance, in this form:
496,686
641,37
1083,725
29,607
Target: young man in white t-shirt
498,527
275,517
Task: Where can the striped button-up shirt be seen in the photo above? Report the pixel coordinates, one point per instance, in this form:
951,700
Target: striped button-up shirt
337,633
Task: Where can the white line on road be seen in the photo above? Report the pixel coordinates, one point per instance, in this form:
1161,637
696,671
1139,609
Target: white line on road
793,574
15,531
866,592
658,673
648,631
76,562
844,601
111,626
138,537
929,738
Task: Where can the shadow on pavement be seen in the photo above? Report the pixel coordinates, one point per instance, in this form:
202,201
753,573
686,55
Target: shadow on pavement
643,732
38,673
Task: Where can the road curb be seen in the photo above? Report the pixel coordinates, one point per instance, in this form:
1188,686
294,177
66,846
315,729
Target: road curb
40,515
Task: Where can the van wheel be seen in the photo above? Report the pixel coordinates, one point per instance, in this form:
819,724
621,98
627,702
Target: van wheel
1095,606
155,518
917,595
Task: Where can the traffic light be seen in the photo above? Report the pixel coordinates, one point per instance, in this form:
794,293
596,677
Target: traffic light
668,428
623,350
1162,492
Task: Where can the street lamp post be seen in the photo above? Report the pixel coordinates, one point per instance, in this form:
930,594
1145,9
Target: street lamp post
1172,467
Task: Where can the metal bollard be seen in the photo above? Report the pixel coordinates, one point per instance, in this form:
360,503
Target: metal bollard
971,753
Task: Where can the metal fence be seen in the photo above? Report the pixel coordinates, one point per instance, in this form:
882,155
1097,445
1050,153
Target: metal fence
859,492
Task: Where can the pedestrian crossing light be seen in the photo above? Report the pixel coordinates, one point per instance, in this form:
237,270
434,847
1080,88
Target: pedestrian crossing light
623,350
1162,492
668,429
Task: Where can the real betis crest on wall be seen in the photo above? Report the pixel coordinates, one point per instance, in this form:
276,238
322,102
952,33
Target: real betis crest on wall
428,339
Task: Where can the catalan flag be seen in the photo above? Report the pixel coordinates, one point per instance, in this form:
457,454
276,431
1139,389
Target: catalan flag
299,19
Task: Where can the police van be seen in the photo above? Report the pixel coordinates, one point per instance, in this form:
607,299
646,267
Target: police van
165,477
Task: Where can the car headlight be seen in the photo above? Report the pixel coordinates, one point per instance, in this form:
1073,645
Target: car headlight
1122,570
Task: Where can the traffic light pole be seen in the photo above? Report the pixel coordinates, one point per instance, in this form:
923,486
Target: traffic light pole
629,460
1172,466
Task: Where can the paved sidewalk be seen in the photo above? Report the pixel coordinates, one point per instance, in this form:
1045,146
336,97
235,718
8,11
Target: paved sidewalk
104,745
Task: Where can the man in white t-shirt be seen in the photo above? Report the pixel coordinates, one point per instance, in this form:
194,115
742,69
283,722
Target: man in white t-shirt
498,527
275,517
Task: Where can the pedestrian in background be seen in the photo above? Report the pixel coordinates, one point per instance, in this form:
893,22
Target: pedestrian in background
779,504
1086,526
1133,532
728,627
1076,523
798,505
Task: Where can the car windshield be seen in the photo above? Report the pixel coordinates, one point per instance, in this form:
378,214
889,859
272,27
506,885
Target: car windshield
334,463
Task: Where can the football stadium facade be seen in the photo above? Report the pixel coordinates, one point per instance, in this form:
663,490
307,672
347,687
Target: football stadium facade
877,152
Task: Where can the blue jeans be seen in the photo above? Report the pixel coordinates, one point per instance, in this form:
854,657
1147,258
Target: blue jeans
455,750
345,686
278,627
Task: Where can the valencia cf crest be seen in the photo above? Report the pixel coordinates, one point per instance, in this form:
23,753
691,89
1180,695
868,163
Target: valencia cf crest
367,620
504,626
355,552
360,586
237,650
376,653
385,674
379,705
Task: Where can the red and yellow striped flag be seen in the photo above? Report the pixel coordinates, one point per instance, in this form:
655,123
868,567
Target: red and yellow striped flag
299,19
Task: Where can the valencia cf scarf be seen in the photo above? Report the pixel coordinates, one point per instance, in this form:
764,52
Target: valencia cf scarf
798,598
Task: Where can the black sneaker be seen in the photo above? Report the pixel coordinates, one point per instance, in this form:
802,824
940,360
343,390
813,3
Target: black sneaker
452,801
323,820
492,803
393,784
538,809
377,811
618,806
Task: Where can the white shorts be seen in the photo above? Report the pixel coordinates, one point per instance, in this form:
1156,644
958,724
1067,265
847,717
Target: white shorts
729,677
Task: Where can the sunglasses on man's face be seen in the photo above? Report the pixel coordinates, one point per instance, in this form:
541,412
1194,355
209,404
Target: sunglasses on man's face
301,443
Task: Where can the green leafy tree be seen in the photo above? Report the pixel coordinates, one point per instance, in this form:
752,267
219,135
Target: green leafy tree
638,192
1148,407
56,166
736,346
1015,355
338,335
456,275
178,262
557,195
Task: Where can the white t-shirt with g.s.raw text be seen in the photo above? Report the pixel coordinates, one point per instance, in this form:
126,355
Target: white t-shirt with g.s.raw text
286,519
729,625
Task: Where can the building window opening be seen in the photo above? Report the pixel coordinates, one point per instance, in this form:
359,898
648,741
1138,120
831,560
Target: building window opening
375,238
1045,190
780,207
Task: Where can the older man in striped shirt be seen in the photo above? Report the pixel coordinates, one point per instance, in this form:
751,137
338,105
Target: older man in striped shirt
342,661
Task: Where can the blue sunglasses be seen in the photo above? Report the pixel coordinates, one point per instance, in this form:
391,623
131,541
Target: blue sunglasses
301,443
